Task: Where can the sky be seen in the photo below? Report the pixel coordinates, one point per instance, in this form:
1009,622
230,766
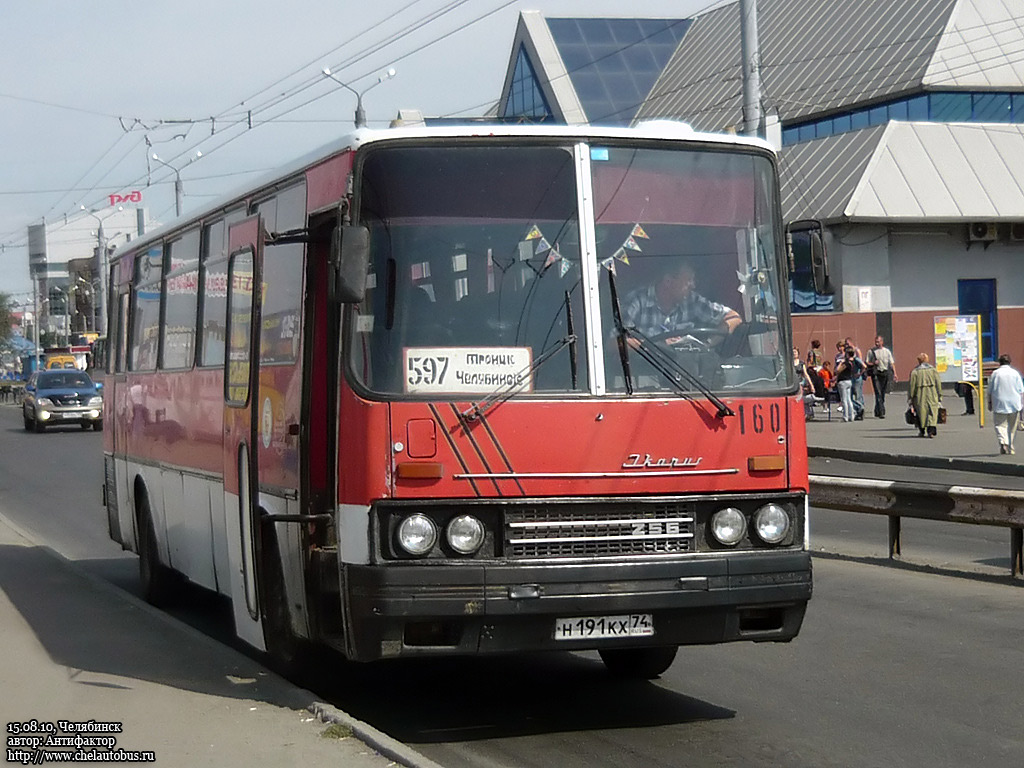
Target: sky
93,89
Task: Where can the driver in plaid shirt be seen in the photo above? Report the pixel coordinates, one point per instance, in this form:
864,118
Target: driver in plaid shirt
671,304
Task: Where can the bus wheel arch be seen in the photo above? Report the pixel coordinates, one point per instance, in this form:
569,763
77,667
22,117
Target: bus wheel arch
158,582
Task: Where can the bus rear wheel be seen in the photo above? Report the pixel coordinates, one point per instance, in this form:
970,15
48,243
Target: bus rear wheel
638,663
159,584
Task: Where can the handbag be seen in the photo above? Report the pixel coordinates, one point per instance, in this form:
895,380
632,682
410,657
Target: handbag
910,417
942,415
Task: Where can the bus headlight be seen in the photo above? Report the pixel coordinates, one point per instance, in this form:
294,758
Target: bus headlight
417,534
772,524
728,526
465,534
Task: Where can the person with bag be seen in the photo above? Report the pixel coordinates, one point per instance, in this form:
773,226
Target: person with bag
1005,391
882,370
925,396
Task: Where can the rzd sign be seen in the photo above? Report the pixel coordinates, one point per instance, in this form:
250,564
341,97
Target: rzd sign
135,196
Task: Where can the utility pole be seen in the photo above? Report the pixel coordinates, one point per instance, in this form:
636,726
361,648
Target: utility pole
101,265
751,55
35,316
179,193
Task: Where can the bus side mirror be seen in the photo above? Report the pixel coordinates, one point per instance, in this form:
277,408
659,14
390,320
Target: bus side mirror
805,240
350,255
819,265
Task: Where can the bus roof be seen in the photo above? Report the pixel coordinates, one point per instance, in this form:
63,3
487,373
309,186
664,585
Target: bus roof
659,130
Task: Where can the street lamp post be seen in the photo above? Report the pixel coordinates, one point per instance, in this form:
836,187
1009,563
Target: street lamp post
70,296
360,113
101,242
179,193
35,317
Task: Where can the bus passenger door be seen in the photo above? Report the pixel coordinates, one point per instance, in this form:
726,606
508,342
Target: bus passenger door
241,484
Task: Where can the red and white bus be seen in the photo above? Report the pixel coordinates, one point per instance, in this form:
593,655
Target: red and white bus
395,399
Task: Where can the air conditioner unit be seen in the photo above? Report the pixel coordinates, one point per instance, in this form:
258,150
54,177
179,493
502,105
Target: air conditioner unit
1017,230
981,231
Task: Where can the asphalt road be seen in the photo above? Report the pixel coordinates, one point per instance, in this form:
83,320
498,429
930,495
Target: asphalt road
910,664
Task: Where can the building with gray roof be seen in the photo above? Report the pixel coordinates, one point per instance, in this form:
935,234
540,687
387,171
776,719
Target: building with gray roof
901,131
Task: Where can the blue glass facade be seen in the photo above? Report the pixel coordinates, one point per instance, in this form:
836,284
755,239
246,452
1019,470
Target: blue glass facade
939,107
525,99
614,63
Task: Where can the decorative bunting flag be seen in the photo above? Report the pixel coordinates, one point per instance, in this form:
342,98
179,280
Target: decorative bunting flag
631,244
638,231
534,233
563,267
542,245
553,256
622,256
609,264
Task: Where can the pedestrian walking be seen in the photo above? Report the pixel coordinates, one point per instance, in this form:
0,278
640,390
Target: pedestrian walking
857,391
925,395
1005,390
881,367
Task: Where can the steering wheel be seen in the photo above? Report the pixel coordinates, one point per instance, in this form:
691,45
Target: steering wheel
692,339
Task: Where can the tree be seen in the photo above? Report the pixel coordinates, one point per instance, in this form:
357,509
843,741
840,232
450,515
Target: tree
6,316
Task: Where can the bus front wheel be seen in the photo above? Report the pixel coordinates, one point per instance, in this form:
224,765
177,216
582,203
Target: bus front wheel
639,663
283,645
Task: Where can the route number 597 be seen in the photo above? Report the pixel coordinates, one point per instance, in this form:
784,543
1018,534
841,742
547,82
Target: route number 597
427,371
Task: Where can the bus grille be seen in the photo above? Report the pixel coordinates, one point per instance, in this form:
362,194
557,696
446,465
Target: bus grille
606,530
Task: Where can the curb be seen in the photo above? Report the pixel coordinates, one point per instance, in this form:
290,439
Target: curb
927,462
379,741
376,740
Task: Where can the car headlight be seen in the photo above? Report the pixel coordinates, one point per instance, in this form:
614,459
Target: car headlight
44,401
465,534
417,534
95,402
772,524
728,526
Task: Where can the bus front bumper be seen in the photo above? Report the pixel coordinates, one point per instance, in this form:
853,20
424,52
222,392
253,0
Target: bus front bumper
423,608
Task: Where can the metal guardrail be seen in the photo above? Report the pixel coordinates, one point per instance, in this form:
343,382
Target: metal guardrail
951,504
11,391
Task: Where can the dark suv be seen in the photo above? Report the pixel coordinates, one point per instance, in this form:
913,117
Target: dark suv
62,397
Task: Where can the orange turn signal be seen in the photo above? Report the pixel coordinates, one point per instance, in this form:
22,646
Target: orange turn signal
420,470
766,463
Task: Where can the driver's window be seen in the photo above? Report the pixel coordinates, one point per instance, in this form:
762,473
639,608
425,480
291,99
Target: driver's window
679,234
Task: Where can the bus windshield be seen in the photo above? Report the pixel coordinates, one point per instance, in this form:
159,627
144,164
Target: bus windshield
689,239
477,280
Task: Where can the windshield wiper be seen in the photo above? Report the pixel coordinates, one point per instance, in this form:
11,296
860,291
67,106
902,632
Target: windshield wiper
499,396
571,330
621,334
670,368
660,360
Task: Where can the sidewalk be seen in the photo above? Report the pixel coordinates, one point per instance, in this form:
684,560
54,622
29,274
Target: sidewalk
77,649
960,444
